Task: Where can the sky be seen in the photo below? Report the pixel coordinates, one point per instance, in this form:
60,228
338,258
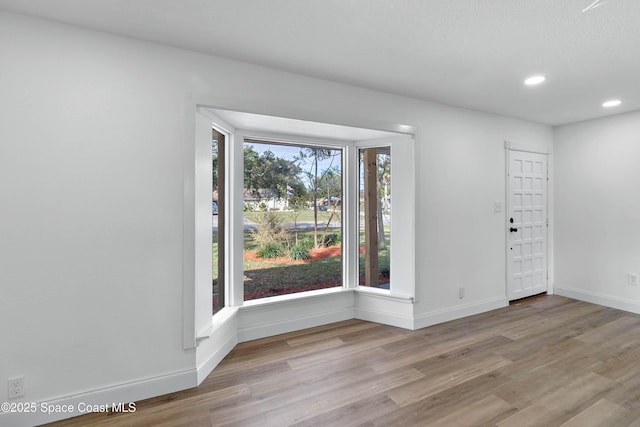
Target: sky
289,152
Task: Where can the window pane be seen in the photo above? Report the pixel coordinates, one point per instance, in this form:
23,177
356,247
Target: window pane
217,218
292,218
375,216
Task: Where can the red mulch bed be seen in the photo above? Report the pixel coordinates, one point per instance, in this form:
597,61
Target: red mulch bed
293,290
316,254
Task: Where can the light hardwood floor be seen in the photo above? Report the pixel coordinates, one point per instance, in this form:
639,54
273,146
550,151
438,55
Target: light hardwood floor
545,361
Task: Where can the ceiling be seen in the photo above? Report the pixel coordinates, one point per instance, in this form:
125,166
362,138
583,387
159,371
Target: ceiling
468,53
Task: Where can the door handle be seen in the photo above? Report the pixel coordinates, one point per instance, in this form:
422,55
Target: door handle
513,229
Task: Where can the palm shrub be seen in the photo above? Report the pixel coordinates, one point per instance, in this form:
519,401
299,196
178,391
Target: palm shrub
299,252
271,250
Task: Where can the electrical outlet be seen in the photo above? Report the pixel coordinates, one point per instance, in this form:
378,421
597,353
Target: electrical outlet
15,387
632,279
461,292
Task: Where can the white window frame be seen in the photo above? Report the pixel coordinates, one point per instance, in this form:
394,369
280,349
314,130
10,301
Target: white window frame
347,177
402,265
402,288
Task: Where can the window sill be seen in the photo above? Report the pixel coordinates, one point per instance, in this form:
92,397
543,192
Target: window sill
218,320
294,297
374,292
385,294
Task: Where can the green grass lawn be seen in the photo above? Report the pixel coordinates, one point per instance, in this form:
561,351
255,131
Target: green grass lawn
266,278
305,215
269,278
384,261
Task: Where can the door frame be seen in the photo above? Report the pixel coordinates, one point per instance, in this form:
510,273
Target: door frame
538,149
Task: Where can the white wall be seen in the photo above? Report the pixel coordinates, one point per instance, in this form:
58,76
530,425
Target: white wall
460,240
91,193
598,210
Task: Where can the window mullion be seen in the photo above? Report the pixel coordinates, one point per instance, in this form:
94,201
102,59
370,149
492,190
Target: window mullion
235,219
350,225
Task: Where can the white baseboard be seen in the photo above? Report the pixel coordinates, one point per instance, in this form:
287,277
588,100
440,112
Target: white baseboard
386,318
296,324
457,312
600,299
212,361
122,393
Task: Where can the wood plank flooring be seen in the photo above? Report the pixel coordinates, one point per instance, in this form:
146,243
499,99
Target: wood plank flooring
544,361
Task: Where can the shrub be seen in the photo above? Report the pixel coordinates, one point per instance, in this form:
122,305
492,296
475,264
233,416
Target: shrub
331,239
306,243
269,230
299,252
271,250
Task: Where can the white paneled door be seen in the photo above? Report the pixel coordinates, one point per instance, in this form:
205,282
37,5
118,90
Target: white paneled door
527,224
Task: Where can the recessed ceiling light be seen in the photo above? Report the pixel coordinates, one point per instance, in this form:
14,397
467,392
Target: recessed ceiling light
612,103
535,80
